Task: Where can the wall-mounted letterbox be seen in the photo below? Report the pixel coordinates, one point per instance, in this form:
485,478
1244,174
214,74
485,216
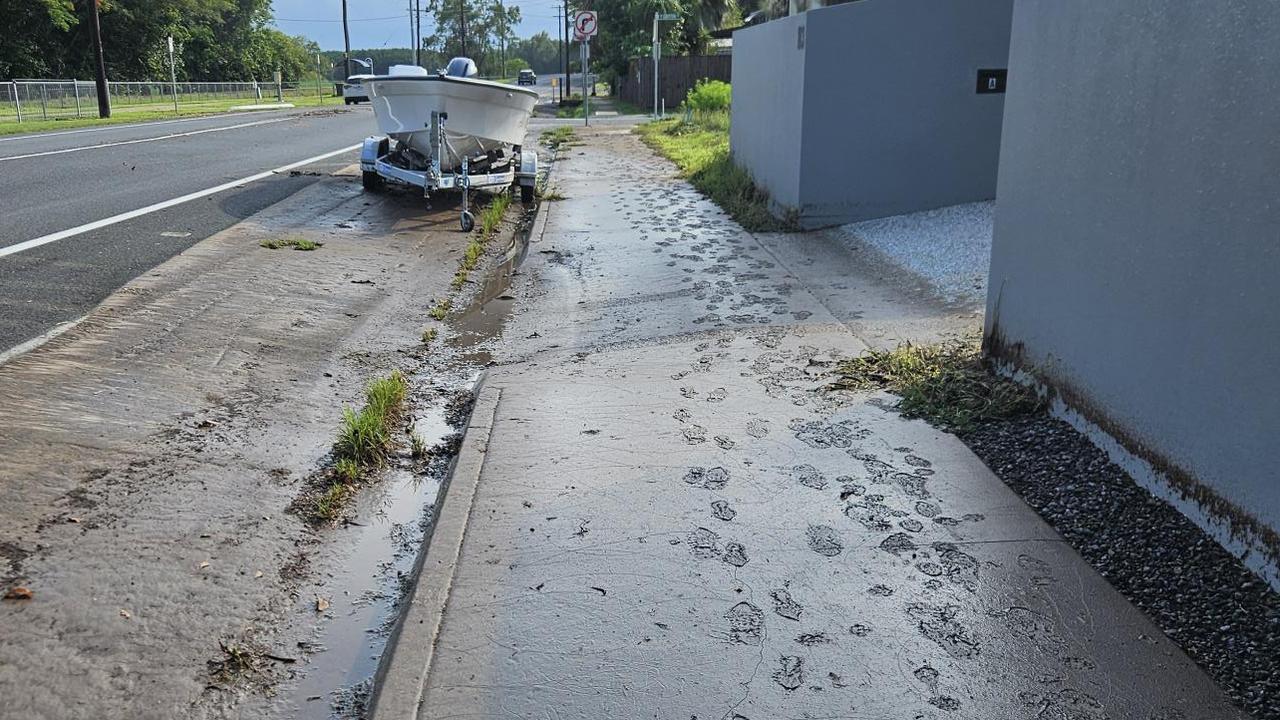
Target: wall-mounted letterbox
992,81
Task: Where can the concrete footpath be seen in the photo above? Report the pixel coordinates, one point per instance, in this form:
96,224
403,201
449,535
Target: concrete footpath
672,518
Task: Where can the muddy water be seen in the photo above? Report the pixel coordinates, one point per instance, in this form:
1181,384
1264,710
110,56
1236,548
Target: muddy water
383,540
481,322
394,518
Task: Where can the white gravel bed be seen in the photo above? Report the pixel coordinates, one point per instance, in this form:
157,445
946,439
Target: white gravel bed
949,247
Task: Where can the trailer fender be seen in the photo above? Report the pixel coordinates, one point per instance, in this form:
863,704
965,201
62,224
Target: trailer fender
528,174
373,148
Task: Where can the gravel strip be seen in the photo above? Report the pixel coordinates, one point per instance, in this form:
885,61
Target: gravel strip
1220,613
949,247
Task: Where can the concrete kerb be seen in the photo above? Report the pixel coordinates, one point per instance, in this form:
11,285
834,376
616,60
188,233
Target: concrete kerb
402,672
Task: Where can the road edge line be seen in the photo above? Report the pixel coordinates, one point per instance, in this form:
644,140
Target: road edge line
401,680
25,347
162,205
123,125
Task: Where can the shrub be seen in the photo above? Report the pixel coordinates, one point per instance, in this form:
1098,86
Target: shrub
709,96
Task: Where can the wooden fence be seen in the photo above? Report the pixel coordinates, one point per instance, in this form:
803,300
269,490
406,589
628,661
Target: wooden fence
676,75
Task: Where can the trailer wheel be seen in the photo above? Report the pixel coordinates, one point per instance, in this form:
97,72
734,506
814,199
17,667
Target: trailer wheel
372,181
468,222
526,194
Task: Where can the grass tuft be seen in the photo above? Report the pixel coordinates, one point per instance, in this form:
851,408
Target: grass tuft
947,384
419,446
328,505
364,441
555,137
295,243
429,336
493,214
347,470
441,309
364,437
700,148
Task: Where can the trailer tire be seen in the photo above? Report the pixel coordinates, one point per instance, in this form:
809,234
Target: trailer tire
468,222
526,194
372,181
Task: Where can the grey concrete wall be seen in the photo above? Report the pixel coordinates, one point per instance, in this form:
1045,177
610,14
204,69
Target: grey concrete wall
768,105
1136,254
889,115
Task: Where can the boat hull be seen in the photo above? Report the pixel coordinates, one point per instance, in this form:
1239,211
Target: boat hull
482,115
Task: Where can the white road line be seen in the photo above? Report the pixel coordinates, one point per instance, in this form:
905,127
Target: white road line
142,140
105,222
120,126
36,342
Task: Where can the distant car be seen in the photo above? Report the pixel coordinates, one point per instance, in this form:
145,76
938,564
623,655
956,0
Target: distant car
353,91
527,77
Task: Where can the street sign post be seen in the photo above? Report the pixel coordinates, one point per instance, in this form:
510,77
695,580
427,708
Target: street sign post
657,52
173,77
585,27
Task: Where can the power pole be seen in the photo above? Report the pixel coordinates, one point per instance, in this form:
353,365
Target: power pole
567,86
100,65
502,37
462,8
346,44
417,35
559,38
413,33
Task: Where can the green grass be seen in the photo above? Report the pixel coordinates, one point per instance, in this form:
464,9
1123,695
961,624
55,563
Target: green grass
700,148
124,114
364,437
555,137
419,447
364,441
490,218
946,384
493,214
347,470
328,505
441,309
295,243
385,396
429,336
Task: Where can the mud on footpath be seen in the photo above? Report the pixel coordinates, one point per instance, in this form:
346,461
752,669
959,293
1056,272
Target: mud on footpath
675,517
152,460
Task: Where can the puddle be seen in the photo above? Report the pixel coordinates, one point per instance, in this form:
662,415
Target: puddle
367,584
481,322
394,516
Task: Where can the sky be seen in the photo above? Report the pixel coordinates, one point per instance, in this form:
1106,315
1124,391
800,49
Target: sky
385,23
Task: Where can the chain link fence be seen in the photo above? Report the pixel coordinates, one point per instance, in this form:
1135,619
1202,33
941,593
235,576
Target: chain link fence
27,100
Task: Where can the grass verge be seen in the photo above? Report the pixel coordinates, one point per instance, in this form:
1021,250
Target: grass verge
700,148
947,384
126,114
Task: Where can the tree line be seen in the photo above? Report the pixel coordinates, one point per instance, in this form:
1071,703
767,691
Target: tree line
215,40
225,40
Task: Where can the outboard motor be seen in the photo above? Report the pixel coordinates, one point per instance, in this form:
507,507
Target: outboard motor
461,67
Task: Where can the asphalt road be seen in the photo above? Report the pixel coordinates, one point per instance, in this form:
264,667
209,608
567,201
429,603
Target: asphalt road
58,182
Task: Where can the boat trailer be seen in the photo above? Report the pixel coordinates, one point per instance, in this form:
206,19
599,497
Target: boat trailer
380,163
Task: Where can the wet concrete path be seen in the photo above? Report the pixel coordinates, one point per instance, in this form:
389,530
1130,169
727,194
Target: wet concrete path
675,520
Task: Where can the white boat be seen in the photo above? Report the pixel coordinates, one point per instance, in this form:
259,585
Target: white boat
482,119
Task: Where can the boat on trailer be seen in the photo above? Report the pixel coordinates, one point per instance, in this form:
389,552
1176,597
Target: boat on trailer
449,130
